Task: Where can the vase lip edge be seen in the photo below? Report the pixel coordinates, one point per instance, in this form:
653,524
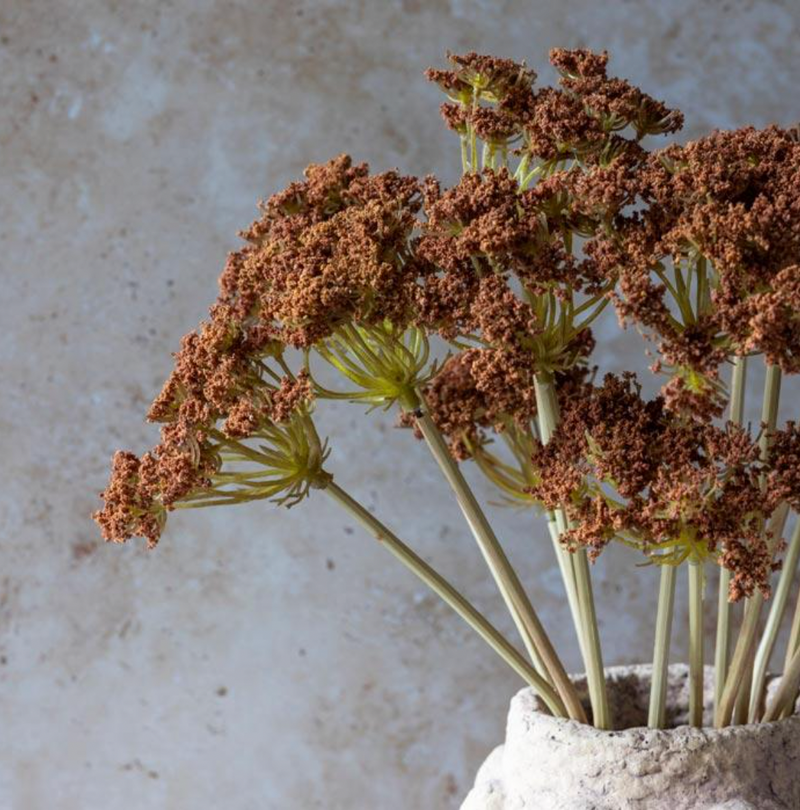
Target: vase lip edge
532,706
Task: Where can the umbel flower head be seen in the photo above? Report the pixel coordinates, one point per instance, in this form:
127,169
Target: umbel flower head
330,254
494,100
562,209
629,469
223,392
328,251
709,264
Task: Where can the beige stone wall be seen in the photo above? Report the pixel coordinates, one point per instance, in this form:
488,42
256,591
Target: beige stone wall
262,658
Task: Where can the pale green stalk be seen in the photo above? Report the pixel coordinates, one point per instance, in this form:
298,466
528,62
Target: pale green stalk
448,594
794,634
777,610
533,633
464,155
752,615
547,410
722,647
658,685
745,643
568,577
784,700
742,663
769,408
769,417
696,575
791,648
742,706
601,715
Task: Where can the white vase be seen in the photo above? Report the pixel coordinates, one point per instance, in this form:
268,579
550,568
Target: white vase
548,763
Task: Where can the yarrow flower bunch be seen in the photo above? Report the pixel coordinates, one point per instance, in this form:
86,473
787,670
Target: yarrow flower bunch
561,212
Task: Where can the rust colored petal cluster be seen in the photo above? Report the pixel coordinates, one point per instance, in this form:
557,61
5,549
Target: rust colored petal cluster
487,95
485,226
624,467
488,390
480,389
579,118
696,245
333,248
719,231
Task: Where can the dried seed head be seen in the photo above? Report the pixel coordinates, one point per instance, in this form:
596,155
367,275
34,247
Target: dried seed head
625,467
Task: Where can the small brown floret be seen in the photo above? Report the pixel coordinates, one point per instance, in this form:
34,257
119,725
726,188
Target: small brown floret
478,389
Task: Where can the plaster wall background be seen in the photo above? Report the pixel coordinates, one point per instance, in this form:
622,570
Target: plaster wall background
262,658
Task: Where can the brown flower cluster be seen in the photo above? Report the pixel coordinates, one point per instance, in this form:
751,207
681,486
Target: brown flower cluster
623,467
478,389
724,212
332,249
484,226
219,376
489,95
696,244
495,99
328,250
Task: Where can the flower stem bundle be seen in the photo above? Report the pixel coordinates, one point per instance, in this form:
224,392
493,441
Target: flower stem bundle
562,214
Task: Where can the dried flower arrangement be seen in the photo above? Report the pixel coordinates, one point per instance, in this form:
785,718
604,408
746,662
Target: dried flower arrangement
560,212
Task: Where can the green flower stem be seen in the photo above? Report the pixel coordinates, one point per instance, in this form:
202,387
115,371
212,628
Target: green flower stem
774,619
588,633
783,702
736,696
722,647
696,576
769,417
547,418
794,634
791,648
658,686
601,714
742,706
533,633
745,644
769,408
448,594
740,673
464,155
568,577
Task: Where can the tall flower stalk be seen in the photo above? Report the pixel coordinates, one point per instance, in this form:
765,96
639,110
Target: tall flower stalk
736,694
696,587
657,708
448,594
536,639
722,644
576,570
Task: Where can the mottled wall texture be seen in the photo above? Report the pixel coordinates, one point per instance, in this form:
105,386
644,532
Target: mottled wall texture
262,658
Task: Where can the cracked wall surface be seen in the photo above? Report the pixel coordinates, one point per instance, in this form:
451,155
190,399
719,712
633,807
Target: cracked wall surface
264,658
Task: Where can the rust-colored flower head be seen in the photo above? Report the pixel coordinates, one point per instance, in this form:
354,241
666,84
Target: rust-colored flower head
630,469
489,97
222,392
579,119
478,389
330,250
708,267
696,244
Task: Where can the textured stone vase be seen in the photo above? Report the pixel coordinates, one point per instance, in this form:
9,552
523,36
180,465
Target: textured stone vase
548,763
